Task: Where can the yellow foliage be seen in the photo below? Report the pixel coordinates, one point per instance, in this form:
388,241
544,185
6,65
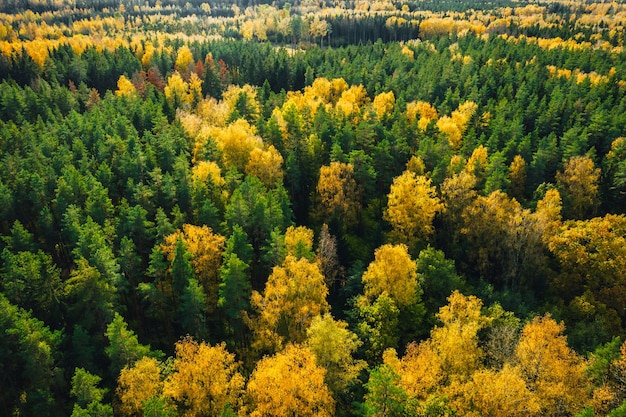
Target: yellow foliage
455,125
137,384
333,345
236,142
125,87
579,184
288,384
176,90
383,104
205,379
420,369
266,165
408,52
424,110
299,236
394,272
416,165
352,100
500,393
456,341
338,192
208,171
552,370
184,59
411,208
294,294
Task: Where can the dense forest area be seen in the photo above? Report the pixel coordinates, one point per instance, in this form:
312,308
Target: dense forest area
312,208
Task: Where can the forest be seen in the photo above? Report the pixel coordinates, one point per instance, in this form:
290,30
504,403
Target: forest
319,208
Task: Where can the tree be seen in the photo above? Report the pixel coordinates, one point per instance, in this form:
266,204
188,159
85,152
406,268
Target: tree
517,178
378,325
88,396
338,193
205,248
290,383
294,294
327,257
29,353
394,272
266,165
411,208
137,384
125,87
205,379
456,340
384,397
592,259
578,184
124,348
552,370
420,369
500,393
90,297
334,345
184,60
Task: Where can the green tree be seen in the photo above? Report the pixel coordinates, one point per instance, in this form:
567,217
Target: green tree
124,348
88,396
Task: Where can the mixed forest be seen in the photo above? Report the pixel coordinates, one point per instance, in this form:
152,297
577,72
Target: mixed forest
318,208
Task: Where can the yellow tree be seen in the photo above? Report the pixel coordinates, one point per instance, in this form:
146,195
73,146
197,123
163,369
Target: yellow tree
206,250
184,60
334,345
288,384
205,380
592,256
422,111
499,393
294,294
236,143
411,208
420,369
552,370
383,104
299,242
456,340
392,271
138,384
176,90
266,165
338,193
578,184
125,87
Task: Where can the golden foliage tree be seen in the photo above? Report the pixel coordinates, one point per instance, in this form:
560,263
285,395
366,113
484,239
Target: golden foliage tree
499,393
383,104
411,208
338,193
394,272
137,384
578,184
552,370
125,87
184,60
456,340
266,165
290,383
334,345
205,381
294,294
